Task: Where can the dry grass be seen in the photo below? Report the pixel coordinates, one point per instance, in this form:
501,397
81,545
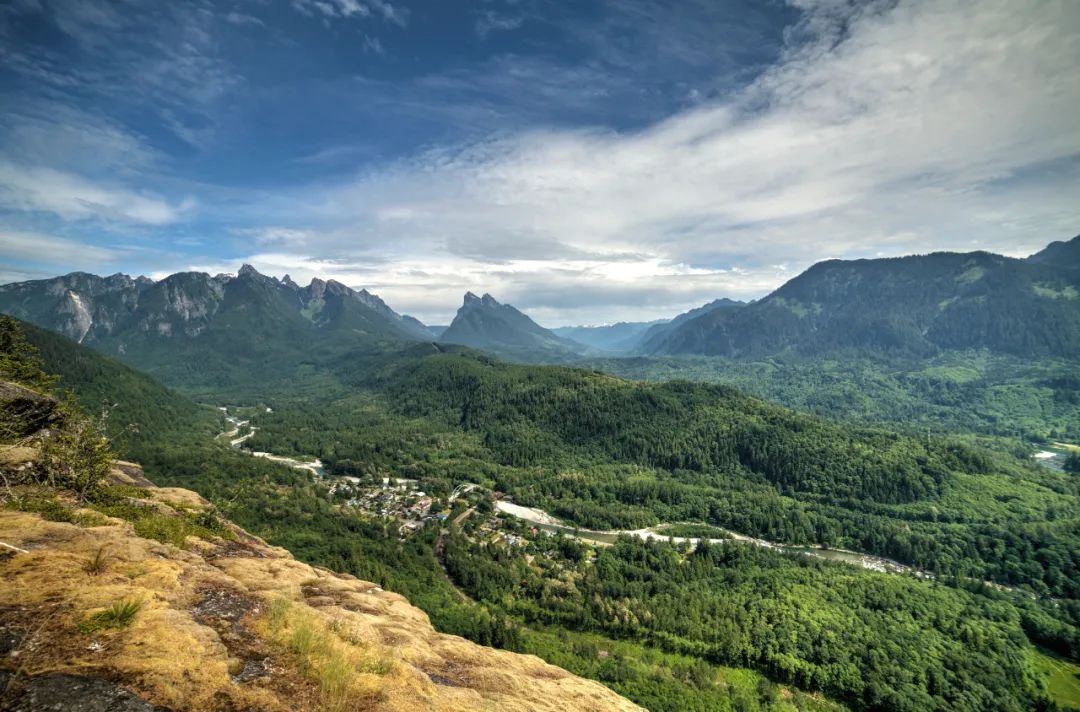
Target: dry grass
340,643
342,669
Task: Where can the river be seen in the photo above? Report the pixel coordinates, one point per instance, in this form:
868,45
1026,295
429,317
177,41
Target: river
315,466
546,522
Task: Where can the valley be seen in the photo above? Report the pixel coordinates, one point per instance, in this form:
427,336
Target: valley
654,508
527,356
235,440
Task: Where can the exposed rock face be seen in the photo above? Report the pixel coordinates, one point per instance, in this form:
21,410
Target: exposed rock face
75,693
223,625
111,311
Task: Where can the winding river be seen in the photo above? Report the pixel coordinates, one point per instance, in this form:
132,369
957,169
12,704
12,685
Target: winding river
315,466
543,520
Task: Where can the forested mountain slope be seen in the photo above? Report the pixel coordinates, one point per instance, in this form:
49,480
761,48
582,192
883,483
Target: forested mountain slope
1035,400
916,306
657,334
139,412
194,328
608,453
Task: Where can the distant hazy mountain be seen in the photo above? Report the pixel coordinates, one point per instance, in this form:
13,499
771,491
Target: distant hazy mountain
618,338
485,324
649,341
194,328
914,305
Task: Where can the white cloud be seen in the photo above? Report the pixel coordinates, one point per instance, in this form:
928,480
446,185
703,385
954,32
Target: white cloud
347,9
48,249
276,235
240,18
72,197
490,21
897,128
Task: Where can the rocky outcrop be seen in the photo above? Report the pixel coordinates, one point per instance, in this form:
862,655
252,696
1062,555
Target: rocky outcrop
59,692
231,623
24,411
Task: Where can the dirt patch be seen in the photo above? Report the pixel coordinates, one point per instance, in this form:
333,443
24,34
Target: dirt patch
224,610
222,605
234,548
253,670
10,639
449,674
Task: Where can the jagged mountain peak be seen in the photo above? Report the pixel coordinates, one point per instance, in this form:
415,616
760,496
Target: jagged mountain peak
123,316
471,300
484,323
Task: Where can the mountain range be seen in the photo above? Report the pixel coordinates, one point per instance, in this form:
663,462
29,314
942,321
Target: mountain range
196,328
917,305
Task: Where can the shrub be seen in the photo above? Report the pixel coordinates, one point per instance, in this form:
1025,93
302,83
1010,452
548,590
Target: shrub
53,510
78,456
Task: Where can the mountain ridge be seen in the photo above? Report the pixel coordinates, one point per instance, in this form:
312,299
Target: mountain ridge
916,304
192,327
96,308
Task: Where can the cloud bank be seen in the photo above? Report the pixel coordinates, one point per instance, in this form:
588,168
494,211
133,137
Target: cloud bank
884,128
894,128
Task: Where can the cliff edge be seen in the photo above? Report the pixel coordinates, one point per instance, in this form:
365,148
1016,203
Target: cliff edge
178,609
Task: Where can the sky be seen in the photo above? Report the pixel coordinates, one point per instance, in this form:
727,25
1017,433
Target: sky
589,161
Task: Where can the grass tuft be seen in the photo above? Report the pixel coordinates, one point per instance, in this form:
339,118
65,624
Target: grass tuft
119,614
98,563
150,522
52,509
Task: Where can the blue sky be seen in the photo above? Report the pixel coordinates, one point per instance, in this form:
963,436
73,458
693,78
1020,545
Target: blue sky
586,161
